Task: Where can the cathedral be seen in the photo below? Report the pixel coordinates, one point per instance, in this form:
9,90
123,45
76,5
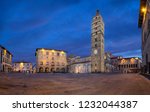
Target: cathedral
95,62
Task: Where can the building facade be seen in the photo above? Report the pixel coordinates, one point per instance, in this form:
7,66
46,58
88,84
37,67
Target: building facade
5,60
115,62
109,67
25,67
79,65
97,53
144,23
129,65
49,60
34,68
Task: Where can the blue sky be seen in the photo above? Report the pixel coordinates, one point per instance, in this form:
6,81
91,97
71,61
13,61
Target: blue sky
66,24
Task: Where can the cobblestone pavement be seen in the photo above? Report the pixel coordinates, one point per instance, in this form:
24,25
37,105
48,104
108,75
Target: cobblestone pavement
76,84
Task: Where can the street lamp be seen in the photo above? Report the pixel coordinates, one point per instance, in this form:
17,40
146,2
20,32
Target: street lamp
145,9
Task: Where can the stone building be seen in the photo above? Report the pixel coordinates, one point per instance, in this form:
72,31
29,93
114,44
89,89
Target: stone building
34,68
94,63
22,66
115,62
79,65
50,60
97,53
144,23
5,60
129,65
108,65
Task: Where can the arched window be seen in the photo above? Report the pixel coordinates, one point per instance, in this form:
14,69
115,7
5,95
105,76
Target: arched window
46,69
41,69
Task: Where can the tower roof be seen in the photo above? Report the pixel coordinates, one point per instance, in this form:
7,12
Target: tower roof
97,12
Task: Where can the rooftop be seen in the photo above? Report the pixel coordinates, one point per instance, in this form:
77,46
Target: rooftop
5,49
49,49
22,62
131,58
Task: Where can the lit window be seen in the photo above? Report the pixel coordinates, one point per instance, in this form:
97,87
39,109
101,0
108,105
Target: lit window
123,61
132,60
5,52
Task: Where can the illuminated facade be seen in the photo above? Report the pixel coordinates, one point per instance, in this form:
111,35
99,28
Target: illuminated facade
112,64
5,60
94,63
83,65
97,53
129,65
25,67
144,23
49,60
79,65
115,62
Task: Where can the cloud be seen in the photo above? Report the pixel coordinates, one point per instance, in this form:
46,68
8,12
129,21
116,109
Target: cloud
66,24
131,53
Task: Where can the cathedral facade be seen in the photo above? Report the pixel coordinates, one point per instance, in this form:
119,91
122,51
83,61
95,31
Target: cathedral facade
95,62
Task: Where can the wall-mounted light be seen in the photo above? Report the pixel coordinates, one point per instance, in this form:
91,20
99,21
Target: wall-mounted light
144,10
43,50
53,50
21,64
62,52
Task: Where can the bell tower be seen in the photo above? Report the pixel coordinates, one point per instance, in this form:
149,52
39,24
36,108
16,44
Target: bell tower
97,53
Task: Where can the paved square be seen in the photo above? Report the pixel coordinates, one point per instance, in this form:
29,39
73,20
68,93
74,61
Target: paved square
76,84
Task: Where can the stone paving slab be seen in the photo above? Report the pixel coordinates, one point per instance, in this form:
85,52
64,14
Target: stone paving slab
73,84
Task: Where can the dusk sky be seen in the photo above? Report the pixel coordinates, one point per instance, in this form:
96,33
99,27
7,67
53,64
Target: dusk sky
66,25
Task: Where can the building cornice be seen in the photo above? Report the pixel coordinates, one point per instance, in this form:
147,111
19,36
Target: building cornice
6,50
